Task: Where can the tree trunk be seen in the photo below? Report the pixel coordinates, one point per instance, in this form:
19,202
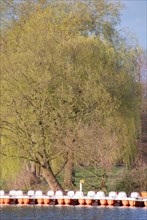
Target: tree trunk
69,173
51,179
31,169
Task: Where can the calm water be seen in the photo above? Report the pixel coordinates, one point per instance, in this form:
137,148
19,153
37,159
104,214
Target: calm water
71,213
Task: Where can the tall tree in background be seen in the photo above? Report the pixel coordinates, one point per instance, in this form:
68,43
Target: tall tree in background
66,80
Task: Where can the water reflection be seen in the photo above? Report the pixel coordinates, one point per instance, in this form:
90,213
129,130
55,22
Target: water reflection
71,213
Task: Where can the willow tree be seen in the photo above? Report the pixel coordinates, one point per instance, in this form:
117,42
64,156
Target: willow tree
57,61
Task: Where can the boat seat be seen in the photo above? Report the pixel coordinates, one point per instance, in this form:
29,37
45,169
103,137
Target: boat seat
2,193
70,193
12,193
19,193
100,194
122,195
79,194
50,193
91,194
38,193
31,193
59,193
112,194
134,195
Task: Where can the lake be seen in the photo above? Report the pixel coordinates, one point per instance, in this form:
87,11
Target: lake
37,212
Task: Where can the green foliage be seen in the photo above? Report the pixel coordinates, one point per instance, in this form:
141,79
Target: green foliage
68,84
9,170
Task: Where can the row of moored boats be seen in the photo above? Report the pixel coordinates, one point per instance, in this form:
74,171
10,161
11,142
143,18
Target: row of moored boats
73,198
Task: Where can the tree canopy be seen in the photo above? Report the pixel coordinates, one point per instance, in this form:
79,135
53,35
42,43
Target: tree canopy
69,87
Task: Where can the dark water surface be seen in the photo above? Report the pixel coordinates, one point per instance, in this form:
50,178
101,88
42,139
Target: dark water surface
71,213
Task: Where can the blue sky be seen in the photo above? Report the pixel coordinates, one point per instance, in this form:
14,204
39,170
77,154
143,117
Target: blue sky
134,19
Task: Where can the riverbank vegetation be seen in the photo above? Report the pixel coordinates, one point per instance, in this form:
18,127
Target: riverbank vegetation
71,96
